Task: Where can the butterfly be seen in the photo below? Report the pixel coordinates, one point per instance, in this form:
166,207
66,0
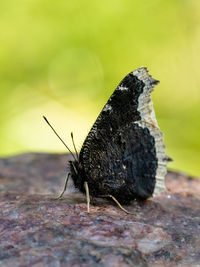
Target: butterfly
123,156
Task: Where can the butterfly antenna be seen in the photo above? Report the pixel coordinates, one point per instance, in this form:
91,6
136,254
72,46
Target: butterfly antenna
72,136
59,137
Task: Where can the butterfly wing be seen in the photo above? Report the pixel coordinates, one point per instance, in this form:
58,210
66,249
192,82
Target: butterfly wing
124,153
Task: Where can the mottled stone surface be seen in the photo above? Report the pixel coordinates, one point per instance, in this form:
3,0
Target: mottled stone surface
36,230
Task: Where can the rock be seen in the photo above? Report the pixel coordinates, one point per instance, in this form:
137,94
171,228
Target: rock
37,230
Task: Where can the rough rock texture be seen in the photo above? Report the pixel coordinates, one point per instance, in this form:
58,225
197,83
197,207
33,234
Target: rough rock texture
36,230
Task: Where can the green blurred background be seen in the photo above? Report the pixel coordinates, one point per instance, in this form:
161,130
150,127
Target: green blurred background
63,59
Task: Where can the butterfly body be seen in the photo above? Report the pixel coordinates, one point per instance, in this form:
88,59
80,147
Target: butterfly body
123,154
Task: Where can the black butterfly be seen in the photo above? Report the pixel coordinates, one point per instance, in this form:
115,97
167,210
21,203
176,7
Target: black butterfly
123,156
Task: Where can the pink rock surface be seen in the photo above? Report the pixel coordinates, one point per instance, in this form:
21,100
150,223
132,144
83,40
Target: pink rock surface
36,230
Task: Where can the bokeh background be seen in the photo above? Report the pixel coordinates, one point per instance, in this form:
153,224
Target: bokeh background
63,59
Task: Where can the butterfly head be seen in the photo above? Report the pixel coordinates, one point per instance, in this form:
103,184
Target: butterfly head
77,174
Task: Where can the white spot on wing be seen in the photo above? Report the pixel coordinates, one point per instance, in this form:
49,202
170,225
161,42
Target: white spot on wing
122,88
123,166
107,107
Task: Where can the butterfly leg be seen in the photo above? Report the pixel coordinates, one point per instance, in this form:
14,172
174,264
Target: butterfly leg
117,202
87,196
65,186
119,205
